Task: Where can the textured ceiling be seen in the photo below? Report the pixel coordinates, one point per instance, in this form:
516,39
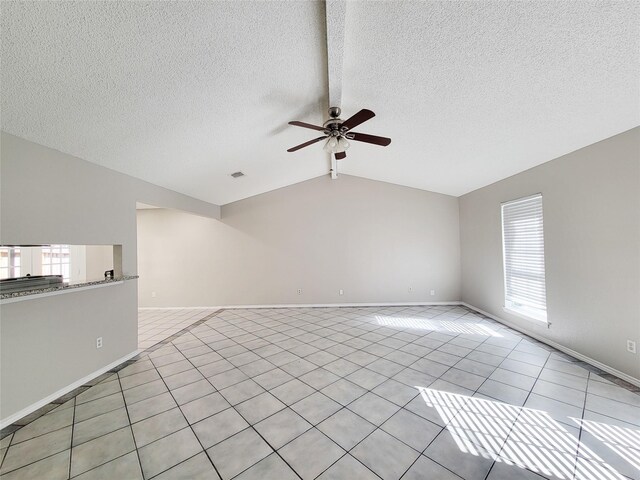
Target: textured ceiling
182,94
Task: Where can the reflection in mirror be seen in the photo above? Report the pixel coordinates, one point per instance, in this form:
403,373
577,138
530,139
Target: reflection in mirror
40,266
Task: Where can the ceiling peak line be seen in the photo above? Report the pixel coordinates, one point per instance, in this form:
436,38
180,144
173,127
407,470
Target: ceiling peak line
336,11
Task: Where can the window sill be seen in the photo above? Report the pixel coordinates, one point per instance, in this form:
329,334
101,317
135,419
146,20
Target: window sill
526,315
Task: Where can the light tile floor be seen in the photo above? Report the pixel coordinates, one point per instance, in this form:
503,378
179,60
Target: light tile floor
154,325
339,393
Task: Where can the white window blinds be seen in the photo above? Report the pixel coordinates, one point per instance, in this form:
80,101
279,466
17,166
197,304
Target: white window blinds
523,250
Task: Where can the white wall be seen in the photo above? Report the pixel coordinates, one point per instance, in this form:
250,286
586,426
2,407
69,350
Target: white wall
591,202
50,197
372,239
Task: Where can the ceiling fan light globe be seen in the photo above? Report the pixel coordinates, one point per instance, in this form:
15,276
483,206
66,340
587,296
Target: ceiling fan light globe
331,145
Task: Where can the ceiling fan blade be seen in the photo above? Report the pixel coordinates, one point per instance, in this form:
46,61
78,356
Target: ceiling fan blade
360,117
306,144
307,125
363,137
340,155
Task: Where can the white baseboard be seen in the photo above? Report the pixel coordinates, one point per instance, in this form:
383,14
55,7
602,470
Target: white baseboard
63,391
309,305
562,348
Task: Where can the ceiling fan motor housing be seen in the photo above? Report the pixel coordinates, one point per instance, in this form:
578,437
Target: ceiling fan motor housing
337,132
332,125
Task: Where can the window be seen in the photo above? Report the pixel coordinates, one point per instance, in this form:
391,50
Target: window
9,262
523,252
55,261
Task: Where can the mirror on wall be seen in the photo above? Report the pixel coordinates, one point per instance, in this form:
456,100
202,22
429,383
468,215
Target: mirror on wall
57,264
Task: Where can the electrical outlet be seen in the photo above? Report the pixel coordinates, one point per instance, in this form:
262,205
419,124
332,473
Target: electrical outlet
299,291
631,346
99,342
153,294
341,292
410,289
432,293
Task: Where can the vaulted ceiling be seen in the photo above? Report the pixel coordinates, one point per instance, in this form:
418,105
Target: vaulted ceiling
182,94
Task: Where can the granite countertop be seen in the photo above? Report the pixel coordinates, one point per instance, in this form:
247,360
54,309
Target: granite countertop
36,291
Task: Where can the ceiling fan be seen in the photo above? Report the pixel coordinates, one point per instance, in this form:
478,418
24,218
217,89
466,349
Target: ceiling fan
337,132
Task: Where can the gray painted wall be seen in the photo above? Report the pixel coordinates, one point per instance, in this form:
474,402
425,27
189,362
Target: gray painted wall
51,197
49,343
591,205
372,239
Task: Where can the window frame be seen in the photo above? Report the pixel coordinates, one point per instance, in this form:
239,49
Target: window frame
511,307
58,259
11,270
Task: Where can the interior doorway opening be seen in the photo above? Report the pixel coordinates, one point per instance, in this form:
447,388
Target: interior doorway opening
157,320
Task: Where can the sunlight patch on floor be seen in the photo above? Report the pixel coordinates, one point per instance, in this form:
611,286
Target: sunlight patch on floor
625,442
446,326
518,436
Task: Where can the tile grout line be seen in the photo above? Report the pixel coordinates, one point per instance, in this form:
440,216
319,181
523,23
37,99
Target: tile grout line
315,391
180,407
185,329
37,436
169,341
169,434
4,455
251,425
584,408
423,453
100,436
131,425
516,420
376,426
73,424
126,409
